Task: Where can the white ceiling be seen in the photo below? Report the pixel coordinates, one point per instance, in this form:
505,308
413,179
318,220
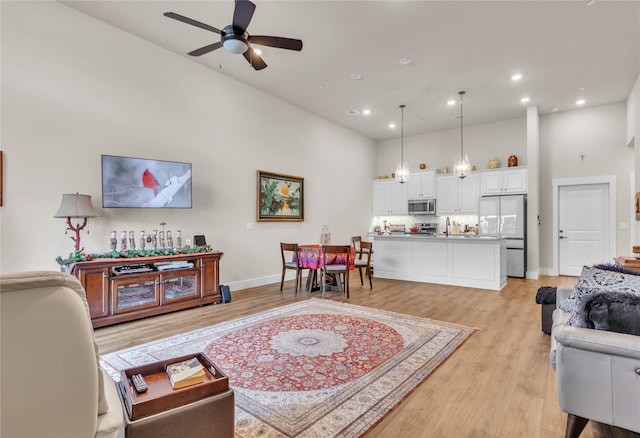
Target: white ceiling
559,46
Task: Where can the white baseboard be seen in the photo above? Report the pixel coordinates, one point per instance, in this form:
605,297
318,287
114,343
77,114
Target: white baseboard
532,275
261,281
548,271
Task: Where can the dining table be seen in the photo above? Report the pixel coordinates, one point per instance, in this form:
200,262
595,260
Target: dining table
310,257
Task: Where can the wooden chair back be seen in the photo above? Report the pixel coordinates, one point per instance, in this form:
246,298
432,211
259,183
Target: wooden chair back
288,248
337,250
366,249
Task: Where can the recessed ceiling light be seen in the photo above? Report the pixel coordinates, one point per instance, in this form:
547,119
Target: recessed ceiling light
405,61
356,76
516,77
353,112
366,111
392,125
451,102
580,102
555,109
525,99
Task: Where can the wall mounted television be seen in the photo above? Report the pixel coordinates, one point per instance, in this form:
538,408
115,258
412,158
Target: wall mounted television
144,183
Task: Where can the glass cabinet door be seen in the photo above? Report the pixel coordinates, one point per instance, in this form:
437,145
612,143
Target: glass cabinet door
131,294
181,285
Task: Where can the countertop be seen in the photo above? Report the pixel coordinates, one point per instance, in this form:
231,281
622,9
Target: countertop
438,237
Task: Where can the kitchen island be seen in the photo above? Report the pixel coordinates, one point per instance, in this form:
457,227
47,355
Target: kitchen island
469,261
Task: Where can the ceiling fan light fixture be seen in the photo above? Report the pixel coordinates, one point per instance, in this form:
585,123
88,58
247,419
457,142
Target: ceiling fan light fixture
235,38
235,45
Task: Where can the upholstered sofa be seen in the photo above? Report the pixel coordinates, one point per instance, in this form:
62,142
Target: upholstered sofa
598,373
51,382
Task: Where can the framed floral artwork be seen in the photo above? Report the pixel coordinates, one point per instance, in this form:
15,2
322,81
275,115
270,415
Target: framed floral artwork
280,197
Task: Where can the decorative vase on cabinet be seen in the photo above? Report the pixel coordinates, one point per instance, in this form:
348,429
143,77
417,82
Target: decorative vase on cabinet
512,161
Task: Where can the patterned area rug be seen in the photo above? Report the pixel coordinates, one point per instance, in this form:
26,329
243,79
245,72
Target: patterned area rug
316,368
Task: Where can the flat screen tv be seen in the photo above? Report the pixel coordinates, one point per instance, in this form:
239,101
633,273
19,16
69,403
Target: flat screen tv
142,183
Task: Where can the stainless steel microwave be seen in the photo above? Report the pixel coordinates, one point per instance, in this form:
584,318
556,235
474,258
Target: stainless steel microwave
422,206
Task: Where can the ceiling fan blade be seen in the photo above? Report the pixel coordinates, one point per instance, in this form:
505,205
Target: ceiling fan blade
192,22
254,59
278,42
206,49
242,15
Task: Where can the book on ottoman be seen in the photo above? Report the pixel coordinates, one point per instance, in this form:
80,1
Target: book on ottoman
185,373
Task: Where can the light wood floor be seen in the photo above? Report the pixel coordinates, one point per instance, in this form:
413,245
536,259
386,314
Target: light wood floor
499,383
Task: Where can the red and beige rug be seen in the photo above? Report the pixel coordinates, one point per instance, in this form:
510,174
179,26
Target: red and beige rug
316,368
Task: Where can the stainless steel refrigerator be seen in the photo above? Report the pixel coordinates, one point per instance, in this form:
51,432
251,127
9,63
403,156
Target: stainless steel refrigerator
506,216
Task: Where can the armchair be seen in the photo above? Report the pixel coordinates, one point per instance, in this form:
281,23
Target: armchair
598,374
51,382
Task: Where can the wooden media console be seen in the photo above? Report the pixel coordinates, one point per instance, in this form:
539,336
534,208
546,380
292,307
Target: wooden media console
125,289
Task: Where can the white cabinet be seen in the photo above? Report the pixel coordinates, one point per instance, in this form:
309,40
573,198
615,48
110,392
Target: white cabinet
457,196
389,198
422,185
503,181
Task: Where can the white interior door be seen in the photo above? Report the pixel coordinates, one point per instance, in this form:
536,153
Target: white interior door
583,227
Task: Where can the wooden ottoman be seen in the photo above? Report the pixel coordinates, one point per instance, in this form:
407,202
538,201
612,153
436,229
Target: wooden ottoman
205,409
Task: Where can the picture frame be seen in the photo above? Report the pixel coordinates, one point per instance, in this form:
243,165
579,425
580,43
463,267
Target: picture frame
280,197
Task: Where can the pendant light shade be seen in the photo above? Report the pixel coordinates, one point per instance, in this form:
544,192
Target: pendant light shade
461,166
402,169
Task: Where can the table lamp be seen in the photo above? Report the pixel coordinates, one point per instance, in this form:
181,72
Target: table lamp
78,206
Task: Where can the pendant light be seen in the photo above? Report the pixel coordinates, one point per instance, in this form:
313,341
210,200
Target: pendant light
402,169
462,167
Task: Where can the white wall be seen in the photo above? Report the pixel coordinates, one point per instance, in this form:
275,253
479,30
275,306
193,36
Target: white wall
438,149
74,88
598,133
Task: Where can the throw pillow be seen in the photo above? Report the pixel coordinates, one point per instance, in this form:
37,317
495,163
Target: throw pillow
593,279
610,311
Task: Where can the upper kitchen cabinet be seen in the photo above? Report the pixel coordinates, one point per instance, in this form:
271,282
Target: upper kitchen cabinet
457,195
503,181
389,198
422,185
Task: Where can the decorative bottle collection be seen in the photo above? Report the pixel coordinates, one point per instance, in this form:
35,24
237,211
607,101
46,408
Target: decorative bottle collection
157,240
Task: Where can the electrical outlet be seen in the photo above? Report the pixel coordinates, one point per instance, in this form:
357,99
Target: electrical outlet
251,226
624,225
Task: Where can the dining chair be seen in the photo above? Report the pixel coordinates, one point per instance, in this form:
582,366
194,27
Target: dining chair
355,240
363,260
290,260
331,253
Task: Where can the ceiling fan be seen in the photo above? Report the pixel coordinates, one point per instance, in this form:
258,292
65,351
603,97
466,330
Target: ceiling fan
235,37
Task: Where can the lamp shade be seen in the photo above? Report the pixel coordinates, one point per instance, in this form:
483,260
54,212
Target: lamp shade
76,205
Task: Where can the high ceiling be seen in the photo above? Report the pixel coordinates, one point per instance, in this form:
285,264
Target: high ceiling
565,50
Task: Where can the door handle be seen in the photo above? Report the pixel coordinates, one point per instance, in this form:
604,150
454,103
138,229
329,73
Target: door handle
563,237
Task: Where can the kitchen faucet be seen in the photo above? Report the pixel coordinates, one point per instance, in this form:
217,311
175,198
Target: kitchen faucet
447,224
